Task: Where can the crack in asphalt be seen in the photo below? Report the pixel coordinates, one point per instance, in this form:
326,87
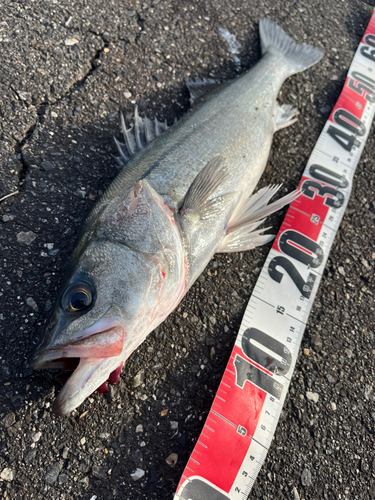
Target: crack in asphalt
33,129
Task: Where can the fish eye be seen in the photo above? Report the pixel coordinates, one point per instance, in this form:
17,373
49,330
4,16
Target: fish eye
77,297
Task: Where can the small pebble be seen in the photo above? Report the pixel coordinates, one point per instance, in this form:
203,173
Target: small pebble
174,425
7,218
31,303
172,459
163,413
295,494
127,95
312,396
137,474
136,456
7,474
306,478
52,475
9,419
70,41
99,471
36,436
333,405
63,478
139,379
26,237
139,428
46,166
306,352
29,456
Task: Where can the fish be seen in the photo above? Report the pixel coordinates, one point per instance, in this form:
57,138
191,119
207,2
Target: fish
183,193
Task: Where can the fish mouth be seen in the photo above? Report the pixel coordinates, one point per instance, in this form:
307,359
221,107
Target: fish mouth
100,345
92,353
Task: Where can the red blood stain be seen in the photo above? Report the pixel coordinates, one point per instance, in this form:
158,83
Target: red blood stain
113,378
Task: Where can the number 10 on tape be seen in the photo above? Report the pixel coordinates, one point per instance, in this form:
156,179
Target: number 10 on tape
240,425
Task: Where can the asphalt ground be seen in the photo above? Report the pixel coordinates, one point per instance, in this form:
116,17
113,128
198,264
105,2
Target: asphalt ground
67,68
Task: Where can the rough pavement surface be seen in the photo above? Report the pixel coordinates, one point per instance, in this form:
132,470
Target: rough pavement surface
67,68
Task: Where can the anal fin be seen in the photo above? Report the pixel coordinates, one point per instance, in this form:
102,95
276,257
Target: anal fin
242,231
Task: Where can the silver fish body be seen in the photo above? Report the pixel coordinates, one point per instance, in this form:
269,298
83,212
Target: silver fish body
179,199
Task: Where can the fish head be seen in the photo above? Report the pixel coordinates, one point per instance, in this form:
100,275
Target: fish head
127,274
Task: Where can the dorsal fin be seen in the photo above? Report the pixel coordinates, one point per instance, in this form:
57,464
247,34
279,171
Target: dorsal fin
138,136
198,87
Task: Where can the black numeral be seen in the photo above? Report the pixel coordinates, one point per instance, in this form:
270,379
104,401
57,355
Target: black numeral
370,40
262,357
301,248
350,122
361,90
345,140
367,52
364,79
309,187
328,176
245,371
305,287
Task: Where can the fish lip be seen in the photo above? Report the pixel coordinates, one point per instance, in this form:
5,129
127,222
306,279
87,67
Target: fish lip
104,344
65,401
101,326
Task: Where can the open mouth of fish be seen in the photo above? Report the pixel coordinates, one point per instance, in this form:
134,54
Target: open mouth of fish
82,358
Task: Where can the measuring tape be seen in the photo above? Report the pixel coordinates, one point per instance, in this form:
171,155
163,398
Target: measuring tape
239,428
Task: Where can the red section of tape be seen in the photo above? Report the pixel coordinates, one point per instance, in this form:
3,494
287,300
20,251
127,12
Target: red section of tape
306,214
225,440
370,28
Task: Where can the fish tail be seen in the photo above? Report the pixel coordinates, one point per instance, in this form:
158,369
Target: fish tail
274,39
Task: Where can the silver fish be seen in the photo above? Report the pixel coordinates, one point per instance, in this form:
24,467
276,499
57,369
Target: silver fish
183,195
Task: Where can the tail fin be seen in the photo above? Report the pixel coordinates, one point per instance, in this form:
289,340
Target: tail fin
299,57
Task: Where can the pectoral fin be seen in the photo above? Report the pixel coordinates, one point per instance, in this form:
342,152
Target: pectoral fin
241,233
200,199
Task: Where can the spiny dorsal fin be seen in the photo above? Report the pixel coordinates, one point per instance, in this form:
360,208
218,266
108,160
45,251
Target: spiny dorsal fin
198,87
138,136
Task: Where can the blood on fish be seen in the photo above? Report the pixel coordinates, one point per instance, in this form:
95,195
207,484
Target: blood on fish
113,378
103,388
115,375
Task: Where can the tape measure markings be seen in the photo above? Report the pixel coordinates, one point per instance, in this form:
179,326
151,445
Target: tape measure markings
241,423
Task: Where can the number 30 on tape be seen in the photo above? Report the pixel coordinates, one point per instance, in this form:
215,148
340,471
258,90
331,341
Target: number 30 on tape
240,425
